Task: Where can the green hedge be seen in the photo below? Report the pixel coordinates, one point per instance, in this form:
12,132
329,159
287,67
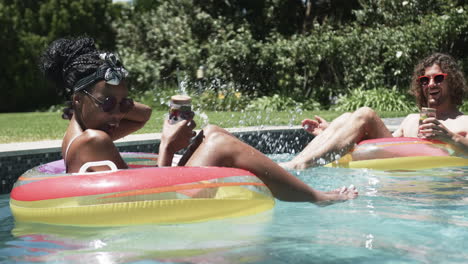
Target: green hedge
377,50
256,48
27,27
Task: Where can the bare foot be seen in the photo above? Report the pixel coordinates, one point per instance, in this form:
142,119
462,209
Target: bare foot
337,190
314,127
300,164
290,165
338,195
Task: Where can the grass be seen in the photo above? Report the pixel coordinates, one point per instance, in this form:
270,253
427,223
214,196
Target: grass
36,126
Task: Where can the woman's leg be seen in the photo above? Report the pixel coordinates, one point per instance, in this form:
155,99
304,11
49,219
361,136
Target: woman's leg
339,137
222,149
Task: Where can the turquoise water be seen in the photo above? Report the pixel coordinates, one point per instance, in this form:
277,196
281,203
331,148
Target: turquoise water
400,217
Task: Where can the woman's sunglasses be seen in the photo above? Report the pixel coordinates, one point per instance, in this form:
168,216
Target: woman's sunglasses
110,102
438,79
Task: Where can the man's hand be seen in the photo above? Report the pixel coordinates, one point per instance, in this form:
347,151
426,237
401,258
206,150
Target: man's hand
315,127
431,128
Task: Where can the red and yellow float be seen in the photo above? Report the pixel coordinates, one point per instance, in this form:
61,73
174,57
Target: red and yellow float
401,153
142,195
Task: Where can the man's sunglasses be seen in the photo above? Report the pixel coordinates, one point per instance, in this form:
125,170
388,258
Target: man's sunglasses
438,79
110,102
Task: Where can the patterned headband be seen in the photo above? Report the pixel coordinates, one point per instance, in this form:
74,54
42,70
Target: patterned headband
112,71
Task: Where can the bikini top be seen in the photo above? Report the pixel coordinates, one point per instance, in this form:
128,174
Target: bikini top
68,147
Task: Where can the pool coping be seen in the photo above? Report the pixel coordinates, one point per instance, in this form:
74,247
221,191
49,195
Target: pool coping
47,146
16,158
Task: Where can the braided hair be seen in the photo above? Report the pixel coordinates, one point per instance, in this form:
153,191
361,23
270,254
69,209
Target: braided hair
67,60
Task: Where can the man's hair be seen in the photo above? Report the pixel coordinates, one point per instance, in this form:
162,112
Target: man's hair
455,79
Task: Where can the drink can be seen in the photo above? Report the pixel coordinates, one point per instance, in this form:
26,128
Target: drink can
180,108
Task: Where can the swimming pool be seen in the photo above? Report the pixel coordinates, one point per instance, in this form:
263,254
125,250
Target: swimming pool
400,217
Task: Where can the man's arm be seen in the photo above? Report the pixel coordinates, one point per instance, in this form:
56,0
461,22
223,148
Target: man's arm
434,129
461,142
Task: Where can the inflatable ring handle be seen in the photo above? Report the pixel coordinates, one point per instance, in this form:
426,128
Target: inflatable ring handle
107,163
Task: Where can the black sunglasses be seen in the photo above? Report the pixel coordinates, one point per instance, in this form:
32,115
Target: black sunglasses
438,79
110,102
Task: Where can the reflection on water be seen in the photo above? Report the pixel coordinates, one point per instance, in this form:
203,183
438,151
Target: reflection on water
133,243
400,217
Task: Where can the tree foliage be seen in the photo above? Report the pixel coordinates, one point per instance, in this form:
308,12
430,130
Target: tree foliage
302,49
27,27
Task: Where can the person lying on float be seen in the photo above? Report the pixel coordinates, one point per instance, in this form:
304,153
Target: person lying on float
437,82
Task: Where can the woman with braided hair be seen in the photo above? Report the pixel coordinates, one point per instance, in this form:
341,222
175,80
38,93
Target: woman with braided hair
102,113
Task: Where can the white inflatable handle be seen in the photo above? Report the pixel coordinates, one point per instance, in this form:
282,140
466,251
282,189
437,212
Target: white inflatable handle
107,163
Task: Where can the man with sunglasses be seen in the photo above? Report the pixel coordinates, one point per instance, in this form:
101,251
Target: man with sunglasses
437,83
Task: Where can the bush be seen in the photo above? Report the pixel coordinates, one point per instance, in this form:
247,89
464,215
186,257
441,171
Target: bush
379,48
281,103
464,107
157,98
158,45
257,48
223,100
27,28
380,99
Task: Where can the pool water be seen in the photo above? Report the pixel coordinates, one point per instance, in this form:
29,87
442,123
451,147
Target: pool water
399,217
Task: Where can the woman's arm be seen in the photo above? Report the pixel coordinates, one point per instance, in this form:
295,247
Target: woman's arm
93,145
174,137
461,142
135,119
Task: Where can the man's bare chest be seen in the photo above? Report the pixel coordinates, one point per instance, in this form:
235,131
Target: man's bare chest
456,126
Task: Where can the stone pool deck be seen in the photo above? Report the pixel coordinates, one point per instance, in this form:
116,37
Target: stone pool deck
16,158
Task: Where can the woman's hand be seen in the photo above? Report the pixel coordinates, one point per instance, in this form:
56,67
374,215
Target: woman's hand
315,127
177,136
174,138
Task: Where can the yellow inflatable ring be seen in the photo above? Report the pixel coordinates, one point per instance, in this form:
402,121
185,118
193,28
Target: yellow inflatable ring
142,195
401,154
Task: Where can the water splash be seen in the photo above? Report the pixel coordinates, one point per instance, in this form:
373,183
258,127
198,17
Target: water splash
182,83
204,117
